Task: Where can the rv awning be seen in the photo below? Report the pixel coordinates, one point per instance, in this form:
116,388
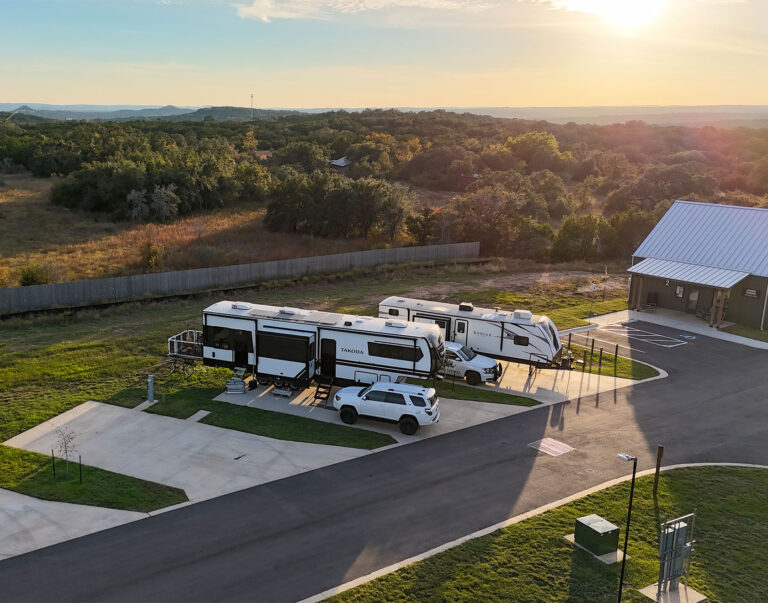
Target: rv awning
708,276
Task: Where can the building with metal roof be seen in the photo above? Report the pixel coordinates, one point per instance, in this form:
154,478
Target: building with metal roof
707,259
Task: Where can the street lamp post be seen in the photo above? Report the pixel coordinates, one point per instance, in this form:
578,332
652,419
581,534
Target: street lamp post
626,457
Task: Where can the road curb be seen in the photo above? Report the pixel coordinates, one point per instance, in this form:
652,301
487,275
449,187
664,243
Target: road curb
506,523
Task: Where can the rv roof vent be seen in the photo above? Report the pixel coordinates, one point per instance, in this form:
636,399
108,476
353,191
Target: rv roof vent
347,323
240,306
523,314
466,307
396,323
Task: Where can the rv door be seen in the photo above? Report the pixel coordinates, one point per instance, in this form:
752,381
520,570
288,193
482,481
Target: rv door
328,358
461,332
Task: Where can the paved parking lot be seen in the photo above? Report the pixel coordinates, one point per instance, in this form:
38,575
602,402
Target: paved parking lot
643,335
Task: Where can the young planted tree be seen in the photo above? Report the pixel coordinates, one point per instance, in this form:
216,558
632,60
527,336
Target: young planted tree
65,444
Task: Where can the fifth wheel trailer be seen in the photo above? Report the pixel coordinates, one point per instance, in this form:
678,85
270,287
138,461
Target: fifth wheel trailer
518,336
290,346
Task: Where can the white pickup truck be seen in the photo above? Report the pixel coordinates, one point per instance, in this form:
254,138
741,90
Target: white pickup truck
464,363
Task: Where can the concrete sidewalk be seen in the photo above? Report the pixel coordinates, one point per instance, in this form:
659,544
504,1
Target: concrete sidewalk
28,523
205,461
675,320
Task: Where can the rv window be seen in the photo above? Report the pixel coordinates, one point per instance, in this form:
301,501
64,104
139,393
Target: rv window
281,347
460,327
394,398
396,352
225,339
417,401
394,312
520,340
377,396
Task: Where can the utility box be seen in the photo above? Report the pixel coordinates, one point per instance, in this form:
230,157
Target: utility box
599,536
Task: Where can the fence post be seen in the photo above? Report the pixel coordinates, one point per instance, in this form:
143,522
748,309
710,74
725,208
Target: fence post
600,362
591,354
616,355
584,361
569,341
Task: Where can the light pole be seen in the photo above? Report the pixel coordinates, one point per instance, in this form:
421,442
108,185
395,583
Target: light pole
626,457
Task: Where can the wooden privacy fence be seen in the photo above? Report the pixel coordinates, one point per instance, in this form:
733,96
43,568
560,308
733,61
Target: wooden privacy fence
15,300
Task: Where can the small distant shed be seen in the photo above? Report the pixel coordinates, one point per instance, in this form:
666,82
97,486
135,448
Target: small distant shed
707,259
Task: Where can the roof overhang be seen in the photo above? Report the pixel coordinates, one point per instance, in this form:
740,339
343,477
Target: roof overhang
708,276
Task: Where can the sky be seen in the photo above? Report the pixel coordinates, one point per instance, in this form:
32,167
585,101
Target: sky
385,53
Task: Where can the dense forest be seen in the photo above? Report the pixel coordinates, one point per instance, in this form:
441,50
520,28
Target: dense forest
522,188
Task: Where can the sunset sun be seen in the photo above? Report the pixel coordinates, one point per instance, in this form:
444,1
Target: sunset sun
621,13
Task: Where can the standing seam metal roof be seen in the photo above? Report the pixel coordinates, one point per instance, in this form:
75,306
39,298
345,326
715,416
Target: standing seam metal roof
707,234
689,273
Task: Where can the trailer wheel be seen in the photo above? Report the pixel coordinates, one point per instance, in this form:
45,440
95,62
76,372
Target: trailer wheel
294,385
348,415
408,425
473,378
263,380
279,382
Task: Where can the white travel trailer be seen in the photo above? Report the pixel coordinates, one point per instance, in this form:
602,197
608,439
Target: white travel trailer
290,346
518,336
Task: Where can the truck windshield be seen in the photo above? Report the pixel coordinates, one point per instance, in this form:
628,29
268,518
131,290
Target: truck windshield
469,354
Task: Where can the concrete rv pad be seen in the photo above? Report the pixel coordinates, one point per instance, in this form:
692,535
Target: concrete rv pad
199,458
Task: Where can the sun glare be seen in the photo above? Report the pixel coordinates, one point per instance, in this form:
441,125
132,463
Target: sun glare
621,13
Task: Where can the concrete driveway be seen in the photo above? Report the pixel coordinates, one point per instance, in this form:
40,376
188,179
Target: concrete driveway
205,461
28,523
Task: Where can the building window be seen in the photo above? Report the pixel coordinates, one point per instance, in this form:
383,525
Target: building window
751,293
679,291
395,352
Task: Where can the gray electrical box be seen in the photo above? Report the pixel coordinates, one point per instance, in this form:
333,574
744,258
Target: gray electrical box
599,536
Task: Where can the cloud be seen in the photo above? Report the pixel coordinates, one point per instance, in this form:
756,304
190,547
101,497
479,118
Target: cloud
267,10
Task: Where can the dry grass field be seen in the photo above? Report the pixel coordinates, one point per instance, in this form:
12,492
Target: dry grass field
77,245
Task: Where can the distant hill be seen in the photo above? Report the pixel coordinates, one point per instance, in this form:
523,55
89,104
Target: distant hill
20,117
169,112
231,114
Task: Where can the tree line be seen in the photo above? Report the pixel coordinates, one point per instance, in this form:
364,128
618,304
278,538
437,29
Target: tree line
532,189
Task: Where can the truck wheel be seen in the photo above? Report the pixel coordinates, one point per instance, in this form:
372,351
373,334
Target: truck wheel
408,425
348,415
473,378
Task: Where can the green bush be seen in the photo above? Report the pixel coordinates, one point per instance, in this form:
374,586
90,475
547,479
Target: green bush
35,273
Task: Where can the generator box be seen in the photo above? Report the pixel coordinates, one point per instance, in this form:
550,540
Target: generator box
599,536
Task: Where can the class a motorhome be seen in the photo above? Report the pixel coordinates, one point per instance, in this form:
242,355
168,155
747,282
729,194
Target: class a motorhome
518,336
291,346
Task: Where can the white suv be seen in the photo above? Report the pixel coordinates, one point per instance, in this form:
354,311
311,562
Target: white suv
407,405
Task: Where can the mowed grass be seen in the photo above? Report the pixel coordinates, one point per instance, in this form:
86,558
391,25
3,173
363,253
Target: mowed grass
185,402
624,367
745,331
449,388
31,473
530,561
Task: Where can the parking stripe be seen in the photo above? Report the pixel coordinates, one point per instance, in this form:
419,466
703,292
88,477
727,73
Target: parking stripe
646,336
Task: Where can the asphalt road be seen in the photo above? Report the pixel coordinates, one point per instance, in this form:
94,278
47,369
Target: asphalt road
289,539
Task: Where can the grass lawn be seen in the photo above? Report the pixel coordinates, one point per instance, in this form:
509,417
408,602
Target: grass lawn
745,331
31,473
457,391
186,402
530,561
625,367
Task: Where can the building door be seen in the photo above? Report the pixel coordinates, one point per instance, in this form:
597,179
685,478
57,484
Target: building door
461,332
328,358
693,300
241,345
